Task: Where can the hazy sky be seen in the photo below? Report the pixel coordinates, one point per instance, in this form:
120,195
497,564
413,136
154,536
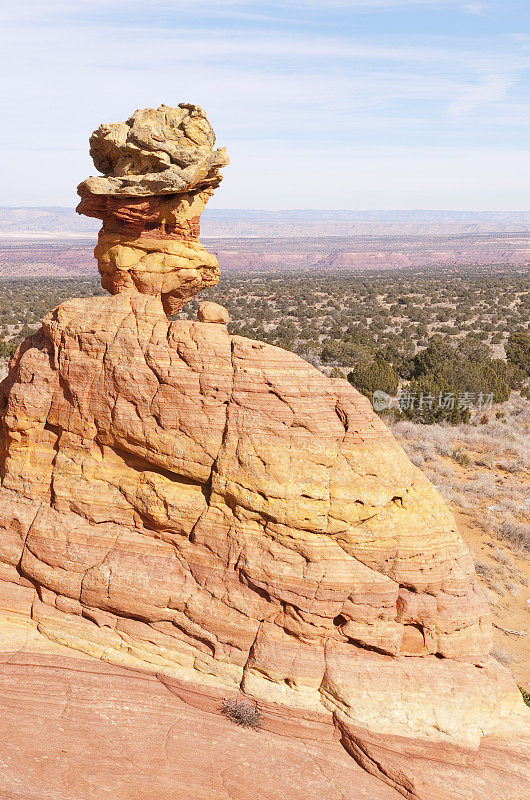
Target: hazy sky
353,104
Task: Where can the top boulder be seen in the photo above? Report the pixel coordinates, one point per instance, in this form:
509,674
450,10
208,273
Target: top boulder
156,151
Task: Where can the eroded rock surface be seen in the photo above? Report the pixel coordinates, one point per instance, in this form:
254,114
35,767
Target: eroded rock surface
212,312
214,509
211,516
156,151
159,171
73,728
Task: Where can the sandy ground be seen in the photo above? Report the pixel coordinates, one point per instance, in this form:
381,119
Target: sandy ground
509,612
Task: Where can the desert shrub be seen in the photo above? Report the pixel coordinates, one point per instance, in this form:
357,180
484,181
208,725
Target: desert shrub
510,466
526,695
425,402
483,569
518,350
242,711
461,457
455,497
428,361
467,368
482,485
418,460
517,533
486,460
350,349
378,375
443,470
400,354
8,348
513,375
480,377
502,558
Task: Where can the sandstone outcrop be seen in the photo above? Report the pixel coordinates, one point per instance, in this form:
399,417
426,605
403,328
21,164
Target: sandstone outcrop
73,728
216,510
159,171
211,510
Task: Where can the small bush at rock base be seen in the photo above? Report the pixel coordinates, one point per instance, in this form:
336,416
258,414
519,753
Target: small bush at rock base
242,711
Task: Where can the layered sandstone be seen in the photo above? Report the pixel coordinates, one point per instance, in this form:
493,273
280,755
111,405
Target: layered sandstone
72,728
159,171
216,510
182,503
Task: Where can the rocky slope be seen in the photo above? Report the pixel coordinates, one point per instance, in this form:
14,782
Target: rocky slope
74,727
213,511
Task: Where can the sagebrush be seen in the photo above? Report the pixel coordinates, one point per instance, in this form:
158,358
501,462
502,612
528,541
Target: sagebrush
242,711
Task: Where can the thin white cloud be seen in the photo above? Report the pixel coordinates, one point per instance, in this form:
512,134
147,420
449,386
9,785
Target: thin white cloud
33,8
136,44
295,108
489,89
285,68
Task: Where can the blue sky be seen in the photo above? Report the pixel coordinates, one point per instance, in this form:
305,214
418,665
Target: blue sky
353,104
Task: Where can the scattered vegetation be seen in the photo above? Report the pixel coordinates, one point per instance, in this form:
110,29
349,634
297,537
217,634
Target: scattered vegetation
490,482
444,342
242,711
461,457
24,302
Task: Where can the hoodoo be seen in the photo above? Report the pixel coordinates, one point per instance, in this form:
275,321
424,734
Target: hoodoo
216,517
160,170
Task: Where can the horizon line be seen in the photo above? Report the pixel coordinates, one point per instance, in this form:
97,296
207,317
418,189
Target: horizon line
321,210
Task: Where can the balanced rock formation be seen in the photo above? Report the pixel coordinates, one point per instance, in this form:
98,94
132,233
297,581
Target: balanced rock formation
160,170
213,511
212,312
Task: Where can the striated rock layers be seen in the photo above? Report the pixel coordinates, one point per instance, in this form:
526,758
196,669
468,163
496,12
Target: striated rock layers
159,171
214,511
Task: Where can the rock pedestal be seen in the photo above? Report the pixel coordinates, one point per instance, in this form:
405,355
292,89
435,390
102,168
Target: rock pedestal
213,513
